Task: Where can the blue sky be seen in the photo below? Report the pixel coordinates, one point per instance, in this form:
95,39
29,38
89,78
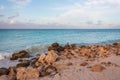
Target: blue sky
59,14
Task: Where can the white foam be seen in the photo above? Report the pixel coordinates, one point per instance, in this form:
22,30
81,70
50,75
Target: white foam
4,55
1,57
37,49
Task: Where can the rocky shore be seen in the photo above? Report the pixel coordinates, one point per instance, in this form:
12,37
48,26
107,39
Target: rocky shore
68,62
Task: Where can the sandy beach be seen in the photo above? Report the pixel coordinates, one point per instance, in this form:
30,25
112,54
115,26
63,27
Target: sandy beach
68,62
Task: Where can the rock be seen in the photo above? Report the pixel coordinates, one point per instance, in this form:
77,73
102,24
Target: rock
32,73
55,47
12,71
84,64
21,73
23,64
60,48
97,68
21,54
73,46
27,73
40,60
118,52
69,64
33,61
67,46
42,72
50,70
6,77
51,57
4,71
107,64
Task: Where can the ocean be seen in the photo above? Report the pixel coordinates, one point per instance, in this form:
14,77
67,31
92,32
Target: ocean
35,40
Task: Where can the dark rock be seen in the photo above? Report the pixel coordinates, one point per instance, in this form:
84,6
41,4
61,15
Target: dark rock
23,64
33,62
73,46
60,48
51,48
55,45
115,44
50,70
67,46
4,71
21,54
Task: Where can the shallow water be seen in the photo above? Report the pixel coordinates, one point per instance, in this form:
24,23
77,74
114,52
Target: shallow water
34,40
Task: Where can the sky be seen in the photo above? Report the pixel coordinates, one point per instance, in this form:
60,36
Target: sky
59,14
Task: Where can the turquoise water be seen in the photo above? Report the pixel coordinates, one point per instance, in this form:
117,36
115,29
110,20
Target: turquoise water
12,40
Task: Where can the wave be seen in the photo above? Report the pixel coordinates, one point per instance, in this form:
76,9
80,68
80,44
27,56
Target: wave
5,55
36,49
39,49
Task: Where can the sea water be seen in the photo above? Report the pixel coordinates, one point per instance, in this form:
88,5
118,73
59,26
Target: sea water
37,39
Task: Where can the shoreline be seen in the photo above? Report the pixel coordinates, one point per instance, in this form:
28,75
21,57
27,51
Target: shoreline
59,61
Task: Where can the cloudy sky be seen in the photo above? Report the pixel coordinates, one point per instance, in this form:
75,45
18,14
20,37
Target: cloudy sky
59,14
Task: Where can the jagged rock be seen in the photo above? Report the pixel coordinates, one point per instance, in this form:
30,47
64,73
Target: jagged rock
12,71
27,73
4,71
21,73
33,61
73,46
21,54
42,72
97,68
23,64
67,46
50,70
32,73
40,60
60,48
118,52
56,47
51,57
102,52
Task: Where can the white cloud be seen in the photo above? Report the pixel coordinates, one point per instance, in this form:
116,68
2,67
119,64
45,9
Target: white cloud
90,13
11,21
19,3
2,7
